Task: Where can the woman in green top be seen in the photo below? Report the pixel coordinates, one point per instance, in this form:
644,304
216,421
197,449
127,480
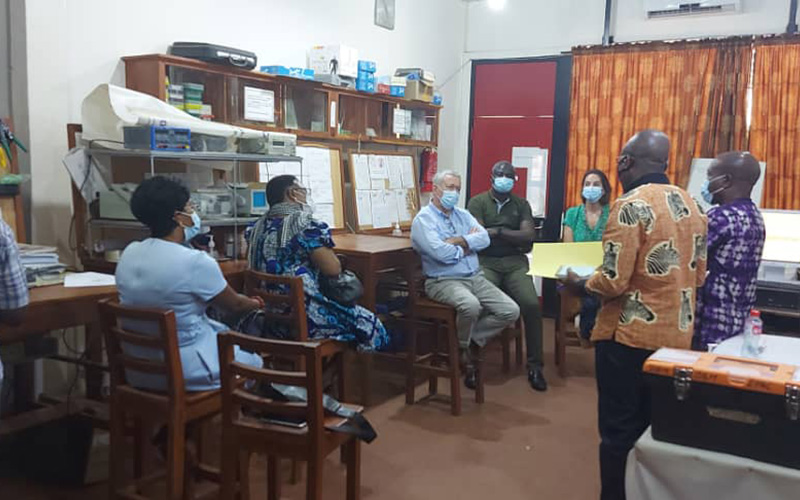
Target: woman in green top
587,222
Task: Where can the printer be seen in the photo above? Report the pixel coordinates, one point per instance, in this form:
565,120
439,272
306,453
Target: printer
778,286
116,202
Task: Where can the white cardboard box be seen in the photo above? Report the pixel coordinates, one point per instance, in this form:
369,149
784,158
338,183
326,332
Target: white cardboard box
321,59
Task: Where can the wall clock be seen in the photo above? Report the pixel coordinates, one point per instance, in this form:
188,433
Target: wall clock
384,13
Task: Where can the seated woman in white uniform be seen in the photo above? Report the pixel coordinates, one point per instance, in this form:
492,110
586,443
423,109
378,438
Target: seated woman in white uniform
163,272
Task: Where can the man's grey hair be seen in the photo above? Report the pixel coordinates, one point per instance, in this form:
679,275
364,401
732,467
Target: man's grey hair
438,179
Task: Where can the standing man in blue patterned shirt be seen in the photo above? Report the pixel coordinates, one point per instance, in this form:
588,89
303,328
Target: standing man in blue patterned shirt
13,285
448,239
735,241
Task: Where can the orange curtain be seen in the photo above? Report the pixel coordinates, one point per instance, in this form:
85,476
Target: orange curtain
724,126
617,92
775,129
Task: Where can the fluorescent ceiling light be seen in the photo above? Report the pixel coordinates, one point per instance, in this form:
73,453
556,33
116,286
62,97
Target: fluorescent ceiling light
496,4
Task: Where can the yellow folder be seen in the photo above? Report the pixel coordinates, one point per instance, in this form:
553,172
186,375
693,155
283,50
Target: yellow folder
548,258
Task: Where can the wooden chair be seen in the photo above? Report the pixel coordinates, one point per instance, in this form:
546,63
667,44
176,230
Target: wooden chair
566,332
177,407
243,434
289,309
290,304
514,334
443,359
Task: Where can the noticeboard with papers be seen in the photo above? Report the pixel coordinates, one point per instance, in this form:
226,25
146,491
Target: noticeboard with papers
385,190
322,173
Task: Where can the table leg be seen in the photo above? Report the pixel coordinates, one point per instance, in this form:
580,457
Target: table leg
94,352
369,300
24,397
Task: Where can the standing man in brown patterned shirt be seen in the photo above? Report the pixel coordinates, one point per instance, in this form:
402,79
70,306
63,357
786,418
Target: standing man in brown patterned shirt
654,260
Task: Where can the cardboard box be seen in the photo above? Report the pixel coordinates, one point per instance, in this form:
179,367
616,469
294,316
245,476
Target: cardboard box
416,74
417,90
382,88
334,59
367,66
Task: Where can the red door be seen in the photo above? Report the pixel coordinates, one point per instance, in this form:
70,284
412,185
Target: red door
512,105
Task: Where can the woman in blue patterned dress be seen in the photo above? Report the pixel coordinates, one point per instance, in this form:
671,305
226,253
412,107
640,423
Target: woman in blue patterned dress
288,241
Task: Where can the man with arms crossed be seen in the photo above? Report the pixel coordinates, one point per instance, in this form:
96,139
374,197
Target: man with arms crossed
448,238
509,221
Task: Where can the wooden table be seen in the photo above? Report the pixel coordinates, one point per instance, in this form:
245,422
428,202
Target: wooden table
367,255
57,307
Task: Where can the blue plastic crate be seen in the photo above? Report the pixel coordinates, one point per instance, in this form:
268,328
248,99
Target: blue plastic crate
365,86
367,66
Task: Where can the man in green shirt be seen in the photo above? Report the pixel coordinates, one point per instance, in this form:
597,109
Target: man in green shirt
509,222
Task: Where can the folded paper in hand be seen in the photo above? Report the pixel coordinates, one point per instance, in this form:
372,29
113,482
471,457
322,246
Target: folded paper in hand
549,258
583,272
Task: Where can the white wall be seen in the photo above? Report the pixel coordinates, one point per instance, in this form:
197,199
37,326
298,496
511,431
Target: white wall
531,28
75,45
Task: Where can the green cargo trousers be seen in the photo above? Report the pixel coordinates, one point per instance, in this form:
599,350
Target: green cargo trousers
510,274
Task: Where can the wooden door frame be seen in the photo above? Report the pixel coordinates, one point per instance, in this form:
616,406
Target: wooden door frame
558,152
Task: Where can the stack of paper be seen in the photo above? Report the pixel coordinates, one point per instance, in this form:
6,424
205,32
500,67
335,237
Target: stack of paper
41,265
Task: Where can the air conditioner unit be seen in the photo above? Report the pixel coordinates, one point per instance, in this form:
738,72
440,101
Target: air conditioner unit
656,9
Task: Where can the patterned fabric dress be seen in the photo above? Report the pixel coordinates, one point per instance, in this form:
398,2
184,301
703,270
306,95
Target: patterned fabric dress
735,241
326,318
654,257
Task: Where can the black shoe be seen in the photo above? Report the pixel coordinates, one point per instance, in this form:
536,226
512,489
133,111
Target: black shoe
537,380
471,378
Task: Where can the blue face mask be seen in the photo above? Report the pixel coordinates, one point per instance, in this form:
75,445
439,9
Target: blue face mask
449,199
190,232
592,193
706,193
502,184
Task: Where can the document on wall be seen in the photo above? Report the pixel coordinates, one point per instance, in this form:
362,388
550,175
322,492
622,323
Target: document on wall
377,167
259,105
364,207
294,168
317,166
535,160
325,213
378,184
403,204
395,172
381,215
361,171
391,207
401,123
407,171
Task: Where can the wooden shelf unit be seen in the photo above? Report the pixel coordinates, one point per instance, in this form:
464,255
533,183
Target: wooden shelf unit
224,91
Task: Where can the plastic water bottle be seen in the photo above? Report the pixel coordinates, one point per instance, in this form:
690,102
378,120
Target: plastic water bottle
397,231
212,248
753,326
